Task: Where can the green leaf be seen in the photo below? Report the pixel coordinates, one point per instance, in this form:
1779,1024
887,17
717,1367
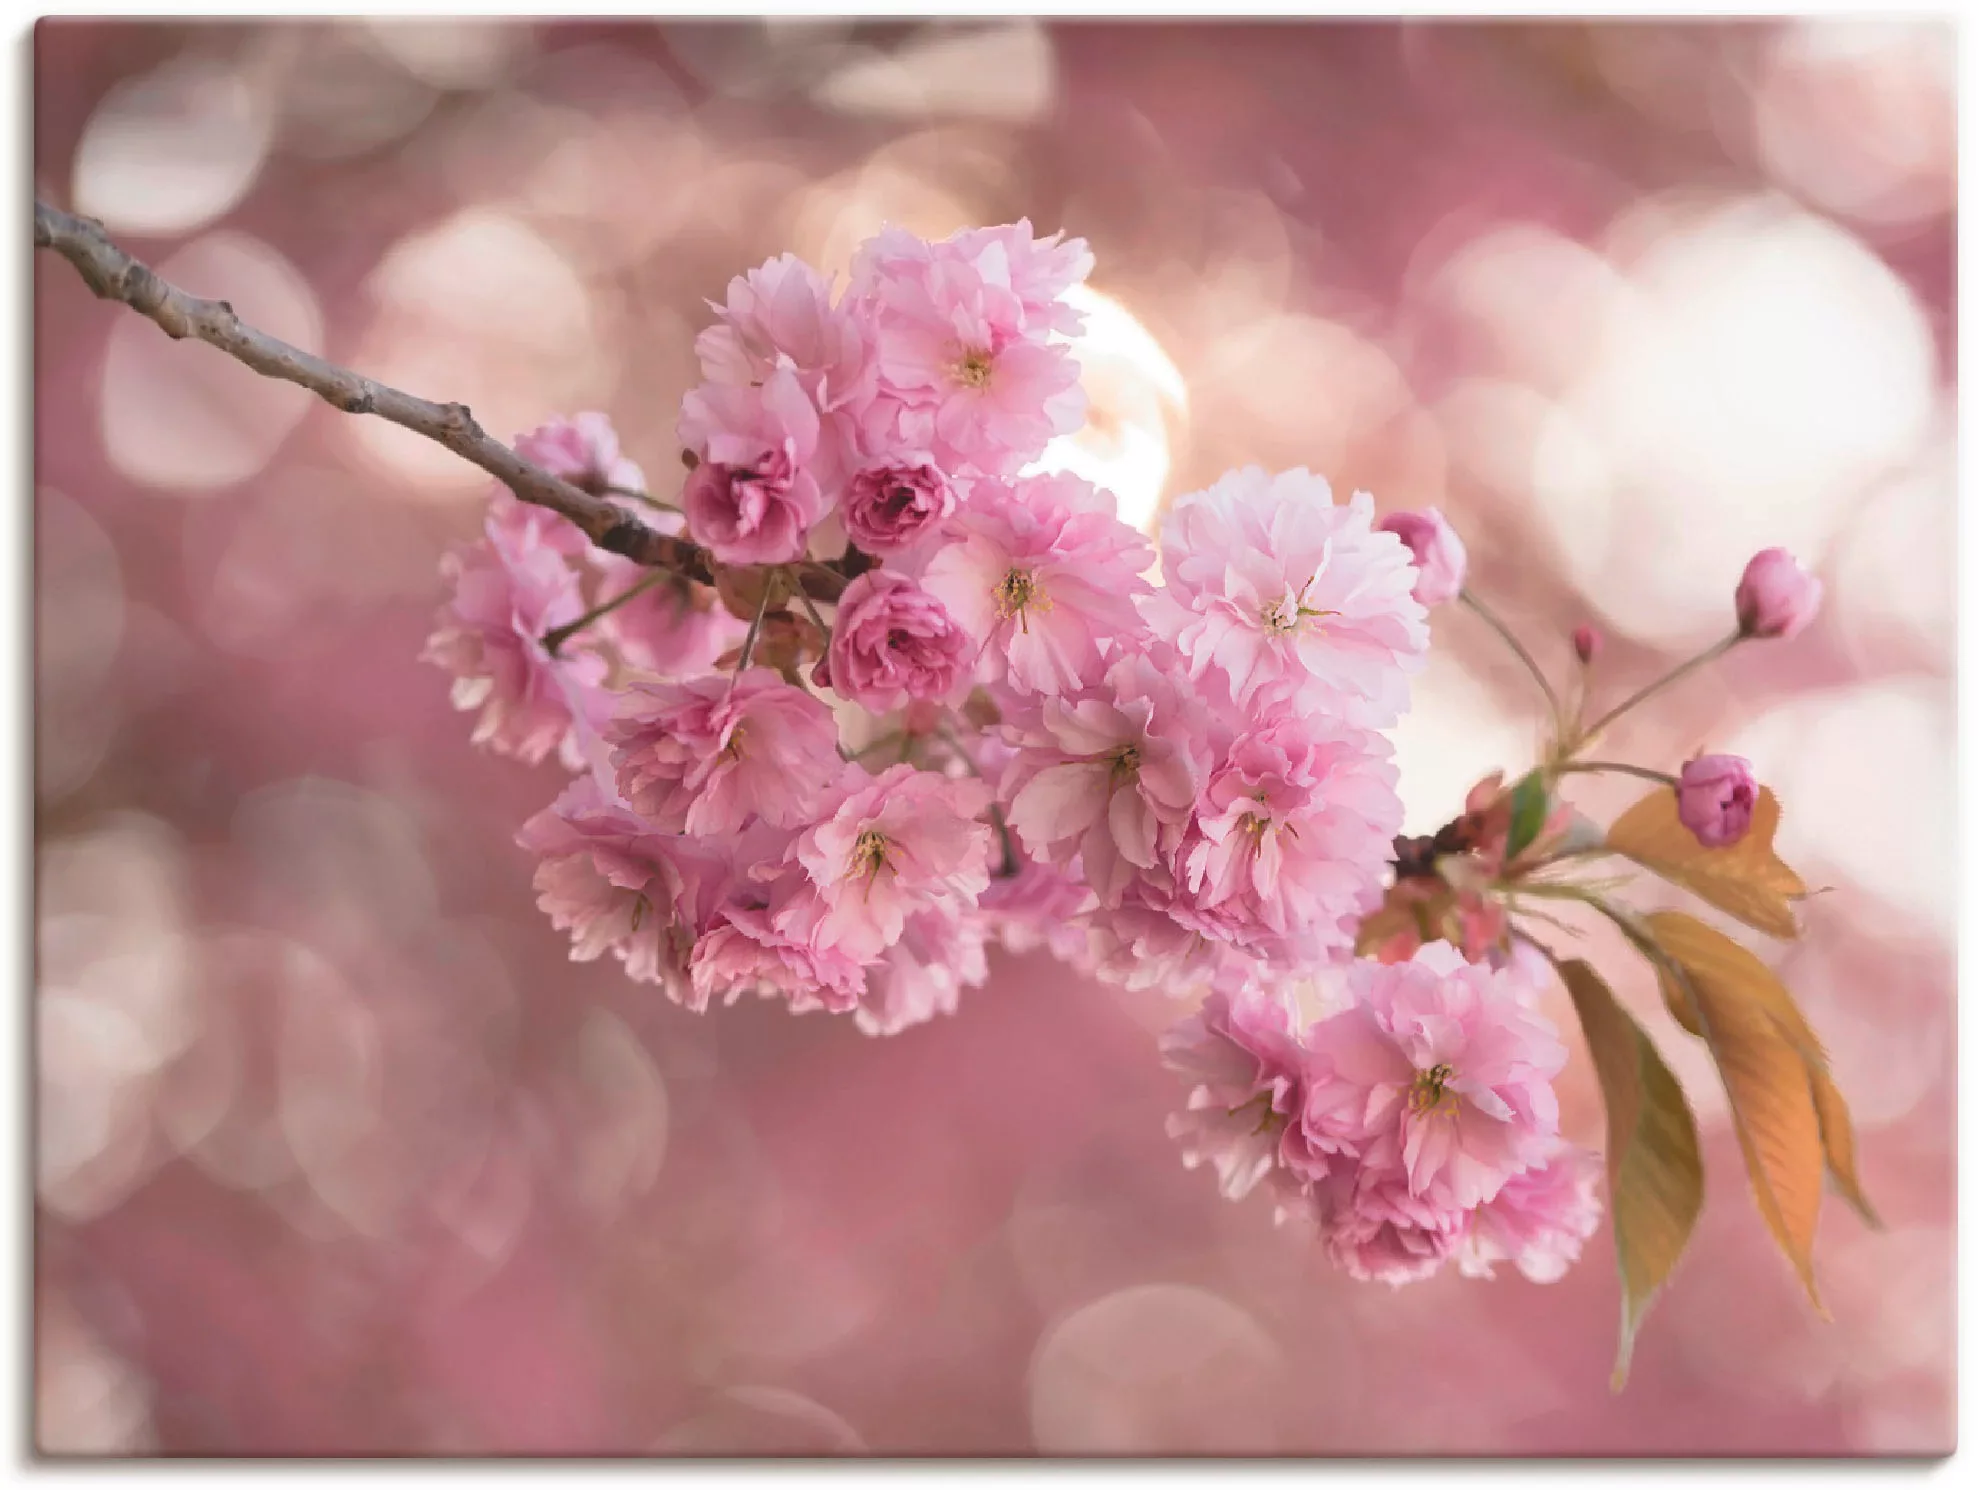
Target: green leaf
1530,802
1655,1172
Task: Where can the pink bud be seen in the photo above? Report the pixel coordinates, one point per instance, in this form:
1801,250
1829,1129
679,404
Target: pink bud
1776,597
1587,644
1714,798
1437,550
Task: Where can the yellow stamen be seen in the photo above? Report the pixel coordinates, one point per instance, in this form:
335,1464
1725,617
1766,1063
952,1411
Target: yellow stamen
869,854
1018,593
1429,1092
974,369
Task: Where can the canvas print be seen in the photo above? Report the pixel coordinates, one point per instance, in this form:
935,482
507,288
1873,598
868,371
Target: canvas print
993,738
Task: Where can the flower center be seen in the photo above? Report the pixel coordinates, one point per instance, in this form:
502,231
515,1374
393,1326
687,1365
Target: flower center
1267,1119
1126,762
732,746
973,371
1287,615
1430,1090
1017,592
869,854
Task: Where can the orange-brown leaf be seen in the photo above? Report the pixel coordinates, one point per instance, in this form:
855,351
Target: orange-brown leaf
1765,1075
1838,1143
1746,879
1655,1173
1688,940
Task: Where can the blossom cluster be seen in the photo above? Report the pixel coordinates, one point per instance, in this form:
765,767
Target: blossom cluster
1415,1123
938,697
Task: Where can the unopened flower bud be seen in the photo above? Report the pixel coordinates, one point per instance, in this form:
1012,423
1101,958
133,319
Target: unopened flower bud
1776,597
1715,796
1587,644
1438,552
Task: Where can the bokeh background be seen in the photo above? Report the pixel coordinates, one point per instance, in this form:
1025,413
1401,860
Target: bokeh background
337,1151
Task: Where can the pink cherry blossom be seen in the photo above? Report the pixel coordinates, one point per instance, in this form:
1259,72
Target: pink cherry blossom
745,952
972,372
1154,938
891,641
1375,1230
508,590
1715,798
1243,1062
755,494
1539,1220
1437,1071
780,314
922,975
583,450
891,506
1291,597
1436,549
897,843
1776,597
1110,775
707,755
1039,907
1293,833
617,885
1038,270
1043,576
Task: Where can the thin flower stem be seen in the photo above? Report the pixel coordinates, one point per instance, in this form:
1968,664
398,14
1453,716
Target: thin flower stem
755,630
1682,669
816,619
554,639
1491,619
1622,766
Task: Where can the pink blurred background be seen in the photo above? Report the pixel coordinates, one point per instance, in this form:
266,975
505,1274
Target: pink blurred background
339,1154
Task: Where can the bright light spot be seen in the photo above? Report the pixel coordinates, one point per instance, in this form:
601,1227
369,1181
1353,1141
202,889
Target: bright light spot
1778,367
1861,116
1162,1368
329,1061
1133,391
1003,72
1453,736
1537,299
761,1420
170,151
87,1398
624,1137
1896,568
452,53
1312,392
838,214
480,309
338,94
1865,777
186,416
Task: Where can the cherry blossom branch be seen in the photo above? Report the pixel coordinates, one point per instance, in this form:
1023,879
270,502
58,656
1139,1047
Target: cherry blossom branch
554,639
1621,766
1681,670
112,274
